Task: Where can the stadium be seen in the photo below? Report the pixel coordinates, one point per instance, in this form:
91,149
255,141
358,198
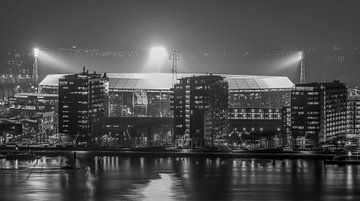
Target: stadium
139,104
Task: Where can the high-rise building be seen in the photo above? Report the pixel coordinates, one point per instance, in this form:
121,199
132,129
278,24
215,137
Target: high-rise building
353,115
318,114
82,104
200,105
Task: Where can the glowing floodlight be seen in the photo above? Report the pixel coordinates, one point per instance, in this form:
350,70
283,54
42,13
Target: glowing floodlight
301,55
36,52
157,56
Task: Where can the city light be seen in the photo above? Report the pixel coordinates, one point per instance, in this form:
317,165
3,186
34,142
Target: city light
36,52
157,57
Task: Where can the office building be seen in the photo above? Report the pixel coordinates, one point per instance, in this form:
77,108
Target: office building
200,110
318,114
82,105
353,115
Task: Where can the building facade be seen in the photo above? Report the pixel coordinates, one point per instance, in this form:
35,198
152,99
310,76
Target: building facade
353,115
318,114
200,105
33,102
82,104
258,112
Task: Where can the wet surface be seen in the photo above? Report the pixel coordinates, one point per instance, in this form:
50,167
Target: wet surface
175,178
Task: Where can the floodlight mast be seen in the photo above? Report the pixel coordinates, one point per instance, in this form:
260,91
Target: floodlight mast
35,75
302,68
174,56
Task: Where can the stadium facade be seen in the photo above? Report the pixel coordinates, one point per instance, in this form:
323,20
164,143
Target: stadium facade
255,104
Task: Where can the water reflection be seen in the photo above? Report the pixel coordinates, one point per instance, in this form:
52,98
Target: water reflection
176,178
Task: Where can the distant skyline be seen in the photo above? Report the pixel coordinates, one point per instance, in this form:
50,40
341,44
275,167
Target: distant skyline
174,23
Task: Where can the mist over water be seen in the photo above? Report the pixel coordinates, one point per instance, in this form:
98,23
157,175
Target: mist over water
176,178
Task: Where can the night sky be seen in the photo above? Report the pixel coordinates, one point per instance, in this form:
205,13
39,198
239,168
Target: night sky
114,24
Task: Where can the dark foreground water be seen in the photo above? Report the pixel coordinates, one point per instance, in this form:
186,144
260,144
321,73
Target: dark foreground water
171,178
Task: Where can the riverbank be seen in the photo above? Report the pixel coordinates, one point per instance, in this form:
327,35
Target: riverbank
268,154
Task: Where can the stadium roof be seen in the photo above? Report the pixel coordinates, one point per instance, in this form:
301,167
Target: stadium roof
51,80
163,81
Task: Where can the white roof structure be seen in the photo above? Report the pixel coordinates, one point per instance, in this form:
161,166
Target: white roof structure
163,81
51,80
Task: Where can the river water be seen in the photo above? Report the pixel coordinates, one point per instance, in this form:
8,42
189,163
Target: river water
109,178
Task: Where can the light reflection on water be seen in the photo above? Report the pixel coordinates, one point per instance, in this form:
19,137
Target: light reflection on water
176,178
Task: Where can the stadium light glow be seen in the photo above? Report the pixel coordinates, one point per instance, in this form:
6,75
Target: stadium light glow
157,56
291,61
301,55
36,52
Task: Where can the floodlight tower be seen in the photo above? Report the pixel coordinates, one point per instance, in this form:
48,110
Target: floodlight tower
174,56
302,67
35,75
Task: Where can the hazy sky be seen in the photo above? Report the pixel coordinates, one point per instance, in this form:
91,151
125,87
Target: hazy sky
178,23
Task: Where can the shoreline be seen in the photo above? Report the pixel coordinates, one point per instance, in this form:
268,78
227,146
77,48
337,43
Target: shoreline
276,155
